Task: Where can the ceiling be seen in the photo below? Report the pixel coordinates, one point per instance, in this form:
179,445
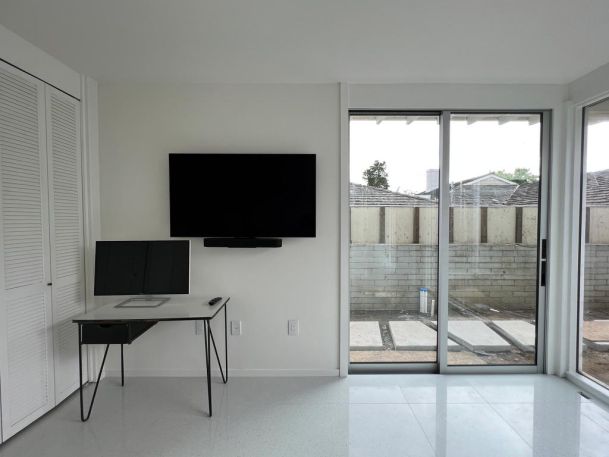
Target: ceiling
264,41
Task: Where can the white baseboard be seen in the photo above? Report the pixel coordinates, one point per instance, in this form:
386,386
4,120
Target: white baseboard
237,373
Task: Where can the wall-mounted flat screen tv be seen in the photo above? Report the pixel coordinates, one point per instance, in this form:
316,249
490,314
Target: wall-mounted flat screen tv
242,195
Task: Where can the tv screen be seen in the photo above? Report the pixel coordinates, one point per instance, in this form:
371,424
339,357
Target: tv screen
242,195
142,267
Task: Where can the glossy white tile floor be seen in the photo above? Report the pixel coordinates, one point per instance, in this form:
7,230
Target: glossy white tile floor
405,415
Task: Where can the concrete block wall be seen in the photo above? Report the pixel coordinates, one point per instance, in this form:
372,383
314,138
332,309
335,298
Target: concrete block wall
388,277
488,264
501,276
596,277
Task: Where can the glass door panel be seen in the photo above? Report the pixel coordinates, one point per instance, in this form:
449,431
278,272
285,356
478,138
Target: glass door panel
394,174
594,270
494,188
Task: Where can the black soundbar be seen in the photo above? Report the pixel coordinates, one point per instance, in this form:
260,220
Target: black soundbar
242,242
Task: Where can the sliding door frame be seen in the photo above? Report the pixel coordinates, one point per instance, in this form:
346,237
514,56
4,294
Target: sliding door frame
392,367
543,233
580,144
576,148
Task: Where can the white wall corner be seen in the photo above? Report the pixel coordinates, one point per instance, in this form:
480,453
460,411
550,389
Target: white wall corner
558,299
345,227
590,87
27,57
91,199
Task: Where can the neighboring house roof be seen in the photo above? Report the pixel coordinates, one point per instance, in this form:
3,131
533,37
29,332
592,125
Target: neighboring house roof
486,190
361,195
524,195
472,193
597,191
488,179
480,195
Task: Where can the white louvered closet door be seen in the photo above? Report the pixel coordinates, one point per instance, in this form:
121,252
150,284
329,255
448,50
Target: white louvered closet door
26,347
66,230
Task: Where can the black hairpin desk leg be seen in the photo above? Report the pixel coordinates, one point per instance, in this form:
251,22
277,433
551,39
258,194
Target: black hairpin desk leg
80,390
209,342
122,367
206,333
223,373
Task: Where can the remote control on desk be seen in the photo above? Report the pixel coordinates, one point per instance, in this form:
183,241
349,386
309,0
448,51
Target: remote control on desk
213,301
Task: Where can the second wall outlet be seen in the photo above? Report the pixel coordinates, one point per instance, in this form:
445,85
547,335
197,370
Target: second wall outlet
293,327
235,328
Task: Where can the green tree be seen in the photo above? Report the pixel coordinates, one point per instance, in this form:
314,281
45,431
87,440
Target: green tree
519,175
376,175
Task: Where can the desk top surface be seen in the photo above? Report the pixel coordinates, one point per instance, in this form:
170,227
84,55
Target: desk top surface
176,309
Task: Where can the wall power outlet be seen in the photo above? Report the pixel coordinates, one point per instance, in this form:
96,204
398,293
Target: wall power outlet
293,327
235,328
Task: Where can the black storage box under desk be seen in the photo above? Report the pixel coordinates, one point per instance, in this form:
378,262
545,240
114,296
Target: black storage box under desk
113,333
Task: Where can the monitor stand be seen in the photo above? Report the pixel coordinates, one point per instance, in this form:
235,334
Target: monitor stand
143,302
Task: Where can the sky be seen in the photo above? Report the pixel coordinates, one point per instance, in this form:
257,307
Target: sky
598,147
475,149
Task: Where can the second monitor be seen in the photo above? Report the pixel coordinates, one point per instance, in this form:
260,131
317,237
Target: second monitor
143,268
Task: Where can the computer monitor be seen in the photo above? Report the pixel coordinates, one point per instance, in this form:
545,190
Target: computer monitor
142,267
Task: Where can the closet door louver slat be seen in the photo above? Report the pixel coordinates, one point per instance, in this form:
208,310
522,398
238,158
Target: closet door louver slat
26,360
67,248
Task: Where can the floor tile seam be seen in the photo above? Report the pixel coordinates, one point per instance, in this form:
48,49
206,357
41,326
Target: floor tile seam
510,425
431,445
486,400
604,427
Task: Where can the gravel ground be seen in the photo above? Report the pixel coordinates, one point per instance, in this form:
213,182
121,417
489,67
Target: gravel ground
463,357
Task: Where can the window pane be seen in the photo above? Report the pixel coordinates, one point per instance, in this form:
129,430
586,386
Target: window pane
594,283
494,199
394,163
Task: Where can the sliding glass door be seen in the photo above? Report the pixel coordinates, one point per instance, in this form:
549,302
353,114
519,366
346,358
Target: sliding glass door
494,179
394,174
447,251
593,341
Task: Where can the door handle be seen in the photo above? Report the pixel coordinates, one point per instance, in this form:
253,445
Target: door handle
543,263
49,283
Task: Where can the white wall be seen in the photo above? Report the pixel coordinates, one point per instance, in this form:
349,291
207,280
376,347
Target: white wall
139,126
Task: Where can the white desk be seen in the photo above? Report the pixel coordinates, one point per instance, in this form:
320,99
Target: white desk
112,324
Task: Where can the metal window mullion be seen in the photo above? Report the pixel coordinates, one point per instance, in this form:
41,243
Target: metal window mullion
583,173
544,204
443,242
